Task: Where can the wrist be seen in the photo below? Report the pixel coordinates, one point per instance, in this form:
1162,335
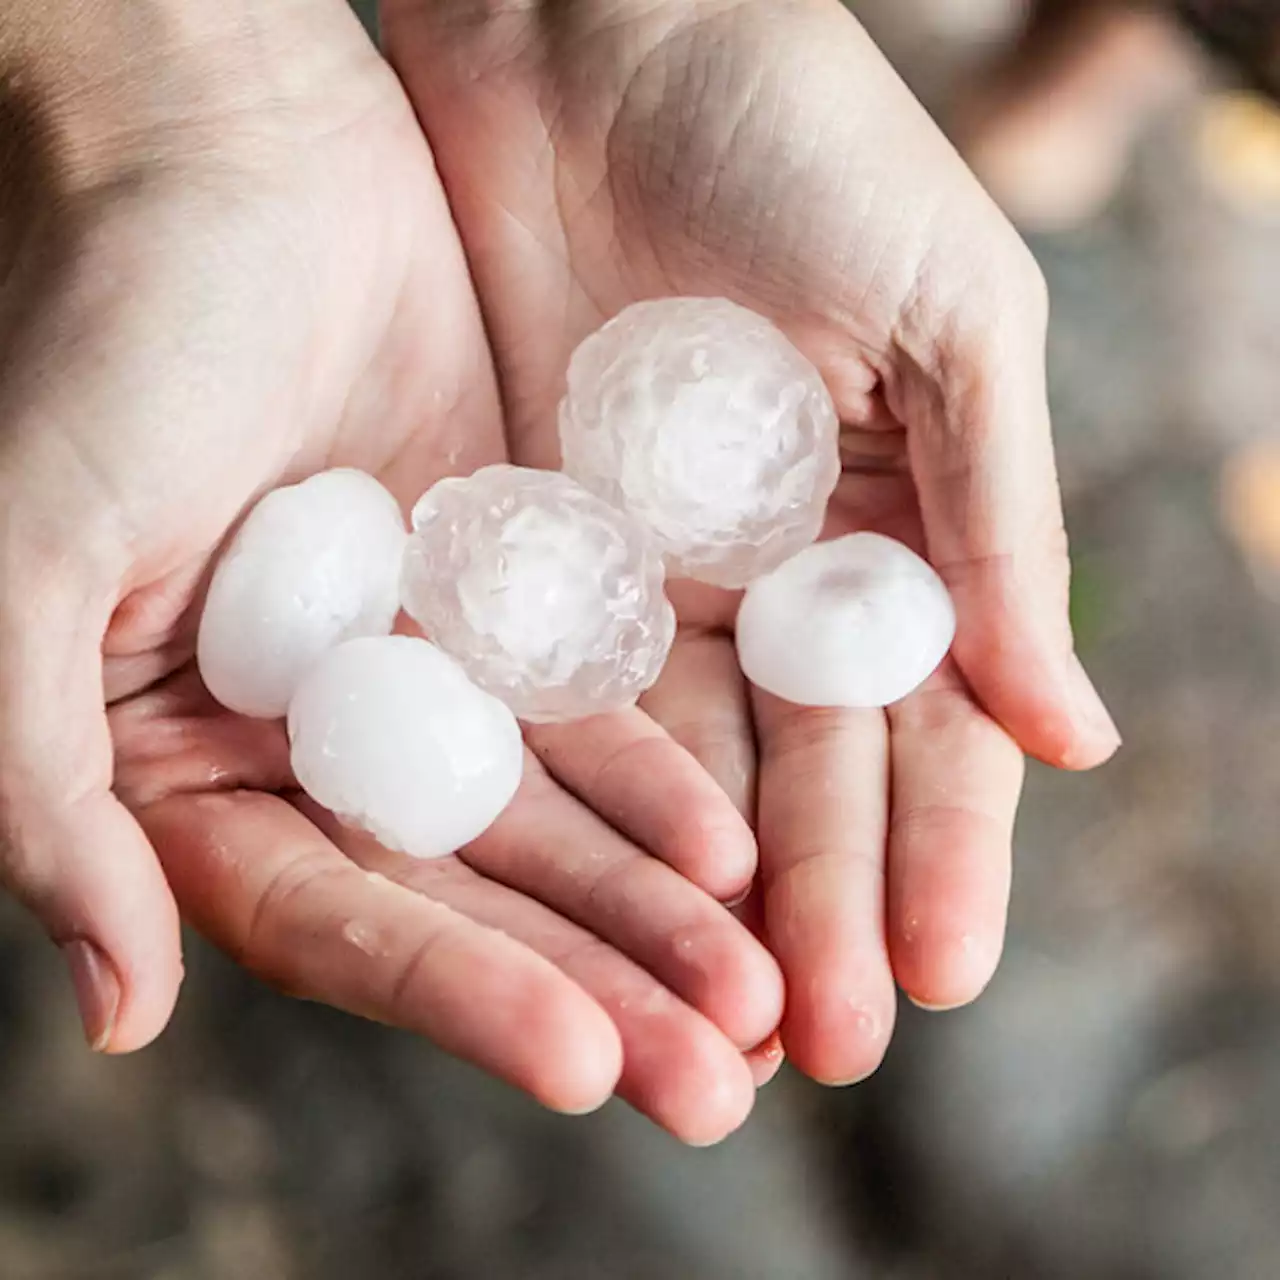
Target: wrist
478,15
113,87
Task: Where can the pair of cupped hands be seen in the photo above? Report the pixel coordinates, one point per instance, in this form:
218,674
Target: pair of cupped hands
238,246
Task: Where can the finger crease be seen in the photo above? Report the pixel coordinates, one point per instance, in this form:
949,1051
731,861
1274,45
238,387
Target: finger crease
411,968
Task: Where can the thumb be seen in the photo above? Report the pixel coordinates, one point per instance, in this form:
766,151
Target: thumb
976,404
69,850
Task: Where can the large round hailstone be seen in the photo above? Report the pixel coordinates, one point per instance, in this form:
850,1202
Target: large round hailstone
548,597
390,735
704,422
314,564
860,621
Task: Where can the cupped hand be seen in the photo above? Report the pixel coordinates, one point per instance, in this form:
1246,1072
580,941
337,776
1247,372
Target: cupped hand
226,262
596,152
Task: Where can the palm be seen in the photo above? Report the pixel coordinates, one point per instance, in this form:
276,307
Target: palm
329,320
302,358
599,153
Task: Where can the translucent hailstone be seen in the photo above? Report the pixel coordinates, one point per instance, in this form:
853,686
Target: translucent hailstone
390,735
703,421
551,599
857,622
314,564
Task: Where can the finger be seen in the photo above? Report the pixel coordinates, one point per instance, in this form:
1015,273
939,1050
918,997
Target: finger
677,1069
638,778
701,699
957,777
175,738
259,880
68,849
824,779
982,455
552,848
766,1059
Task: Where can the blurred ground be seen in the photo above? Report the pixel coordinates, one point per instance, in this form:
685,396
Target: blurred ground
1111,1108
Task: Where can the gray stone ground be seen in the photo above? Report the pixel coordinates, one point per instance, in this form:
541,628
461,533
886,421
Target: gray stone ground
1111,1108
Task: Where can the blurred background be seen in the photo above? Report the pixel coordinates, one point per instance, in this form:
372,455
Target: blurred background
1111,1108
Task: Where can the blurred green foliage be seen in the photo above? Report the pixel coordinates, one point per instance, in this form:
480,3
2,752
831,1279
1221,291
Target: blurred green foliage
1089,593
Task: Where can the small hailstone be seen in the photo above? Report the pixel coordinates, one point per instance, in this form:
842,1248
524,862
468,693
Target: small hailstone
390,735
857,622
314,564
703,421
551,599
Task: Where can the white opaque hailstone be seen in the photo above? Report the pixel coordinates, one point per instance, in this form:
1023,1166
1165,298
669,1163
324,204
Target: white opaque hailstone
860,621
314,564
702,420
551,599
390,735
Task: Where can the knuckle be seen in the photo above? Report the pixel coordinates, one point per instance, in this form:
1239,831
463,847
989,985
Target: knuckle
964,829
804,734
417,963
611,885
626,762
257,948
583,955
941,708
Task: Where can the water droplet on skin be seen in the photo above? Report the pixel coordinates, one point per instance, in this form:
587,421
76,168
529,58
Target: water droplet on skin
656,1002
363,937
216,776
866,1024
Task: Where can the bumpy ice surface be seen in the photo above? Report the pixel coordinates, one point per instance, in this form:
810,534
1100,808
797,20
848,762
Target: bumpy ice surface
701,419
391,736
314,564
857,622
549,598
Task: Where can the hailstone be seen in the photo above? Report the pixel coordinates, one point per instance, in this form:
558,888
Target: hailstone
389,734
314,564
860,621
551,599
703,421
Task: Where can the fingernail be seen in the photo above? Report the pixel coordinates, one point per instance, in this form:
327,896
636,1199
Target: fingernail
939,1008
1089,705
766,1060
850,1082
97,991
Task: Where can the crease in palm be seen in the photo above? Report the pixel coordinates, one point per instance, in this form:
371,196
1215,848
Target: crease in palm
582,169
557,951
718,162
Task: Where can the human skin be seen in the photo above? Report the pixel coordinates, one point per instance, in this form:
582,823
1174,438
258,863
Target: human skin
230,261
226,262
600,151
